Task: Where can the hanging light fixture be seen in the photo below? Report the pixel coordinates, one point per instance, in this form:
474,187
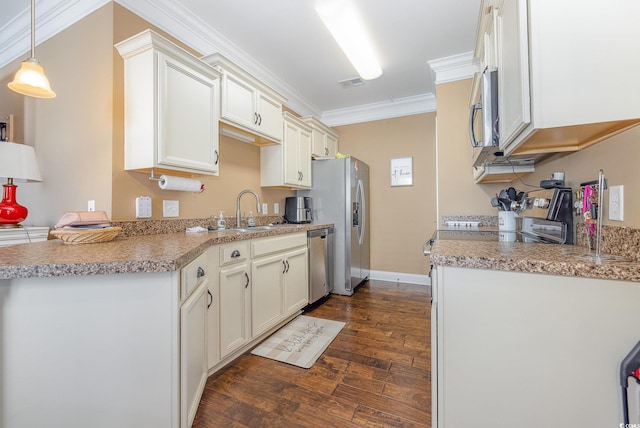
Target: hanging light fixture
30,79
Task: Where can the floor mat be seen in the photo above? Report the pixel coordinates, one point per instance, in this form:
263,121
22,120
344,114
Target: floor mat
301,342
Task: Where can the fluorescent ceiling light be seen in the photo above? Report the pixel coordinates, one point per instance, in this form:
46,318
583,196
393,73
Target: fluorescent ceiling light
346,27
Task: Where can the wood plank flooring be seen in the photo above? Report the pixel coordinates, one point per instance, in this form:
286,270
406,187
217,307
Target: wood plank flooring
376,373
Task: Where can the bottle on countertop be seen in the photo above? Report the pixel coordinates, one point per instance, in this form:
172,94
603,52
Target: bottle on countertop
251,222
222,223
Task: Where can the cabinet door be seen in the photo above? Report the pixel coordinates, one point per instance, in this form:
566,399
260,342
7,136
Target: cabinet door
238,101
269,117
193,352
331,145
213,326
266,292
296,284
290,148
187,117
234,308
514,107
304,157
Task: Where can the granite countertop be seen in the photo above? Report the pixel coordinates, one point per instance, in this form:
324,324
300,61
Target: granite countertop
565,260
125,254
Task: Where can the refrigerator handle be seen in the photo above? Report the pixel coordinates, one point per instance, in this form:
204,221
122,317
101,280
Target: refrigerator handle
360,214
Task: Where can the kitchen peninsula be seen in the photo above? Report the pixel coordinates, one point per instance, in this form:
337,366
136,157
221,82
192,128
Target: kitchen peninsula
129,329
531,334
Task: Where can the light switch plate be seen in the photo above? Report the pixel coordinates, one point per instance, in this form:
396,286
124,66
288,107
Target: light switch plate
143,207
616,203
170,208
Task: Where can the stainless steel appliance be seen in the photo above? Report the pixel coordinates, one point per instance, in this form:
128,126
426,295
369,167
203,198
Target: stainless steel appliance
547,216
298,209
320,243
340,194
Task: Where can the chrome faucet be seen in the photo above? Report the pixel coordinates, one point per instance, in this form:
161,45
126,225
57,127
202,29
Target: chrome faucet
238,217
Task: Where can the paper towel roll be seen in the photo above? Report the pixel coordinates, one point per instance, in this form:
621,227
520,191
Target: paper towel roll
182,184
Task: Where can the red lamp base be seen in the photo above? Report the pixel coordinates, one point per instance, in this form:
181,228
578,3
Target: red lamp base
11,212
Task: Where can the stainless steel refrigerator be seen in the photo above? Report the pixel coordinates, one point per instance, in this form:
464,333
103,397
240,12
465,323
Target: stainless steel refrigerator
340,192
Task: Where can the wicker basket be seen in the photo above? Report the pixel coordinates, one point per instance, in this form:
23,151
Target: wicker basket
86,236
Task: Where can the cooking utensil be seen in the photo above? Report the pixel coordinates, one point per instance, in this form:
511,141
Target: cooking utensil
511,192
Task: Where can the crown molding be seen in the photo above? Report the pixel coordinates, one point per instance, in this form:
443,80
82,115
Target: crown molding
455,67
52,16
407,106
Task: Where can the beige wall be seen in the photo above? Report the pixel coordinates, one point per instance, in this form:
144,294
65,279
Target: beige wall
402,218
618,157
457,193
71,133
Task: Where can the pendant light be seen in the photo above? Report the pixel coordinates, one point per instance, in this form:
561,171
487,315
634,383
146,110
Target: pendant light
30,79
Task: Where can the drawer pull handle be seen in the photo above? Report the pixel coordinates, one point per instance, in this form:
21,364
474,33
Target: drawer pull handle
246,276
235,254
211,299
200,273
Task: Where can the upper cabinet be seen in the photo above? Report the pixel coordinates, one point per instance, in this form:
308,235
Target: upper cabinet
324,140
289,164
567,72
171,107
247,103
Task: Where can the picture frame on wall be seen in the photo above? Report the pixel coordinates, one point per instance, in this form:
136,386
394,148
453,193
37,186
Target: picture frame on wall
402,171
6,127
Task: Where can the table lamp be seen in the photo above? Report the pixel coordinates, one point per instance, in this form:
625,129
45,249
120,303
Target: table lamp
17,162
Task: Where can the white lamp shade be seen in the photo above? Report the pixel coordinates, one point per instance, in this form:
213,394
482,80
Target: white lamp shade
30,80
18,161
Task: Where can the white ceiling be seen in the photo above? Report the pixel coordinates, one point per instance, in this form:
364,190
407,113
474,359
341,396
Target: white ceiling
285,43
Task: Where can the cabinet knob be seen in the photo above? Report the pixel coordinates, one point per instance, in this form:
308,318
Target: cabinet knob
200,273
211,299
255,118
217,157
235,254
259,119
326,151
284,267
246,276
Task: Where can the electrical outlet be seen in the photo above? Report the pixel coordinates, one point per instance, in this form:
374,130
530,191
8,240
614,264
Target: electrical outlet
265,208
170,208
616,203
143,207
276,208
91,205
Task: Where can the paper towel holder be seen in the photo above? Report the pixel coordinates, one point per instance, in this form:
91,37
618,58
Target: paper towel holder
154,178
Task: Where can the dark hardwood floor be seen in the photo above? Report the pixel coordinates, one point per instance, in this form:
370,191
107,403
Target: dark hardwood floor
376,373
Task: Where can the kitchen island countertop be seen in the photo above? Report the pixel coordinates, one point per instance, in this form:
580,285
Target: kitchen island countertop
564,260
131,254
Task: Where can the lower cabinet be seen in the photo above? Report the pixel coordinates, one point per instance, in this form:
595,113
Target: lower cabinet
296,281
235,295
194,292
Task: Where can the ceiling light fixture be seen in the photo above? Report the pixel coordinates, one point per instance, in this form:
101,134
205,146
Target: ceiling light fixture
30,80
346,27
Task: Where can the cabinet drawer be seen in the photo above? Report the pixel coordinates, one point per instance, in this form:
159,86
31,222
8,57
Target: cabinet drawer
264,246
234,252
192,275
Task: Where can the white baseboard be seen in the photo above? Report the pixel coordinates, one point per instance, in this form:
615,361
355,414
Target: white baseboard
409,278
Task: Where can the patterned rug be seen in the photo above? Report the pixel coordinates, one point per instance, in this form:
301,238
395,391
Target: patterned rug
301,342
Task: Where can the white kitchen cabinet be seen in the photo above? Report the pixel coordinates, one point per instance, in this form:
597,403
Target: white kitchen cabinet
246,102
289,164
543,350
213,309
565,73
235,298
171,107
324,140
296,281
279,267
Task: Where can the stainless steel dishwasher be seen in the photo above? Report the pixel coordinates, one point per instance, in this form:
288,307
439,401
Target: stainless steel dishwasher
320,242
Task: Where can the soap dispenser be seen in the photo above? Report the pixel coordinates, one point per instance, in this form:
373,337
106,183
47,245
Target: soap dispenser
251,222
222,223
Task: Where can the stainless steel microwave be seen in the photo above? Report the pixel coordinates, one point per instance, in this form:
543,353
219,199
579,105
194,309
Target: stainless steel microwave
488,107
